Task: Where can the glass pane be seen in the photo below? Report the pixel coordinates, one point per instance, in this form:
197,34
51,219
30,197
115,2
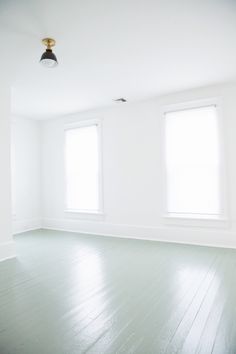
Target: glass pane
82,164
192,161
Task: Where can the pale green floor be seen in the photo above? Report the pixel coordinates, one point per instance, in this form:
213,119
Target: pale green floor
72,294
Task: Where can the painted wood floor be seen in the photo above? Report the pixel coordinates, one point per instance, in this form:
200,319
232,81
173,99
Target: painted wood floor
72,294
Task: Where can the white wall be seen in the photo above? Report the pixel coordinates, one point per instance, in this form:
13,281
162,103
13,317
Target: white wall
26,174
7,249
132,171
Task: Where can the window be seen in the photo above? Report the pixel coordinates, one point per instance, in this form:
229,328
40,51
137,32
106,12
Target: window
193,166
82,162
13,170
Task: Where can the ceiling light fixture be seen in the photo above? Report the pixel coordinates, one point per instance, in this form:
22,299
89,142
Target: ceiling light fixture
49,59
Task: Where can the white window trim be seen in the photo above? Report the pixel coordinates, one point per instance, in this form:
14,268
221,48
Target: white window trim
181,219
87,214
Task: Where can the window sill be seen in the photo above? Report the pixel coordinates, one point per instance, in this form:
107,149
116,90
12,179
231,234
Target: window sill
85,215
196,220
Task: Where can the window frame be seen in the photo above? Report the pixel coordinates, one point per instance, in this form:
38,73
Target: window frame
80,213
201,220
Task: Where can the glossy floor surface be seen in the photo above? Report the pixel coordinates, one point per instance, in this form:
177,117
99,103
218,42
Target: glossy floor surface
72,294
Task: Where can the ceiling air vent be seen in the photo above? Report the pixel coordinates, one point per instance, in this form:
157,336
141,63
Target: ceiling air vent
120,100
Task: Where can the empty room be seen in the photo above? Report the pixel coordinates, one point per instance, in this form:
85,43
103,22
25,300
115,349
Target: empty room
117,180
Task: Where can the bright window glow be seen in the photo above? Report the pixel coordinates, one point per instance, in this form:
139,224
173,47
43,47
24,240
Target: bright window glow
82,168
193,163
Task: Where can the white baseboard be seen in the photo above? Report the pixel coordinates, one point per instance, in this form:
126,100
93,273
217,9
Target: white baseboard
185,235
7,251
24,225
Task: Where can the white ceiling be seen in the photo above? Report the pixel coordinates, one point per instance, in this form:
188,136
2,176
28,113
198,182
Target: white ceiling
109,49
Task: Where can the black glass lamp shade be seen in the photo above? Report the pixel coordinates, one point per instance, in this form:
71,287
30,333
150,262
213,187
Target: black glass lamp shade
49,59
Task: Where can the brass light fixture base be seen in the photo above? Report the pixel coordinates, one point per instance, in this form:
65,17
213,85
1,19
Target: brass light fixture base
49,42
